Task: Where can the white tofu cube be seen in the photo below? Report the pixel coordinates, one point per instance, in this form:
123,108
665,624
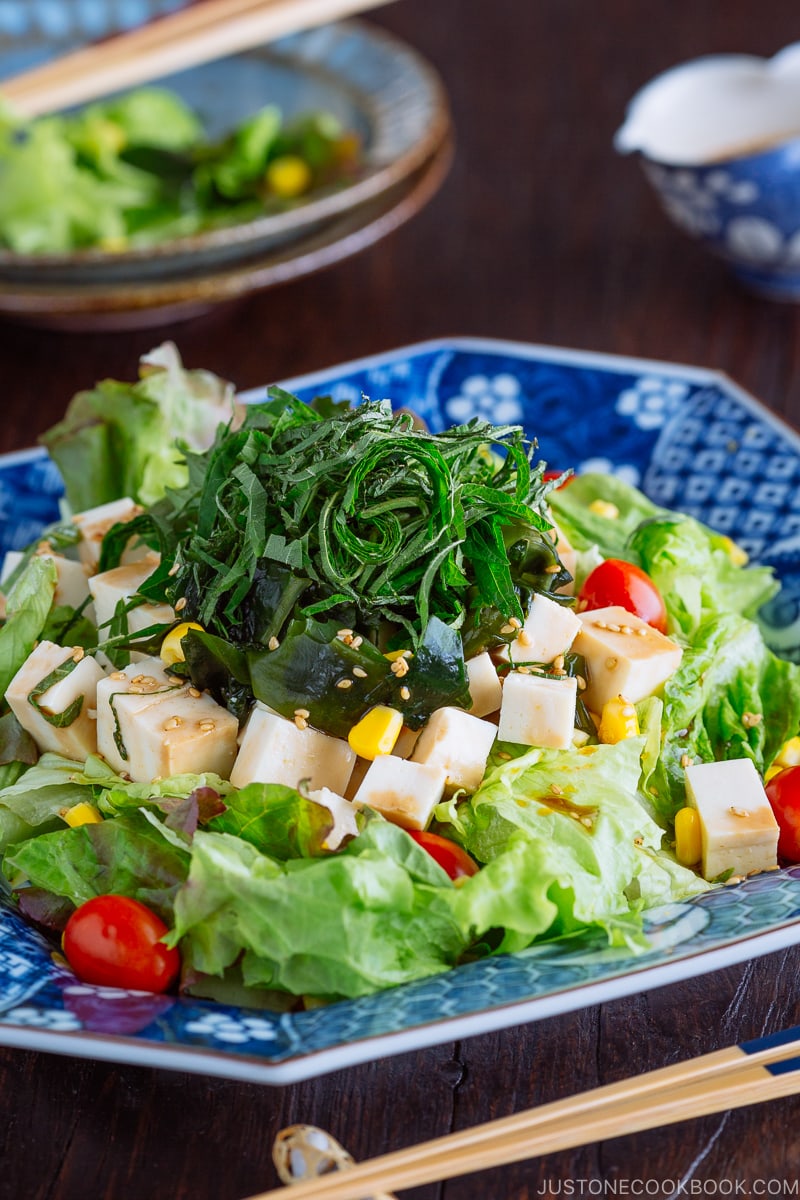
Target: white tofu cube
343,813
485,687
458,743
548,630
406,793
406,741
538,711
738,829
274,750
151,725
624,656
120,585
78,739
94,524
72,585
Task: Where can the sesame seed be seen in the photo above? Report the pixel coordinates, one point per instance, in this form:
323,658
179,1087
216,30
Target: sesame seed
172,723
504,755
180,605
642,630
405,694
344,684
556,790
587,821
638,841
611,664
359,673
302,712
626,629
524,671
357,642
77,654
612,627
738,812
581,683
301,723
138,679
750,719
174,569
685,761
558,662
601,625
553,569
507,628
515,622
273,643
119,675
193,692
399,667
344,633
734,879
524,638
559,671
207,726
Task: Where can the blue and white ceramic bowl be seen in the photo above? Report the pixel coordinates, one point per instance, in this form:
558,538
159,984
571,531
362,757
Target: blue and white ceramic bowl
719,140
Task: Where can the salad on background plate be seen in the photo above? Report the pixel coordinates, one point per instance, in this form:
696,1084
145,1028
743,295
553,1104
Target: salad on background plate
308,701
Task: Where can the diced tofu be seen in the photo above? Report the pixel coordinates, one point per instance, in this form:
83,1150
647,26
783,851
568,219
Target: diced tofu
95,523
72,586
78,739
406,793
485,687
343,813
120,584
737,825
151,725
275,750
538,711
624,656
458,743
549,630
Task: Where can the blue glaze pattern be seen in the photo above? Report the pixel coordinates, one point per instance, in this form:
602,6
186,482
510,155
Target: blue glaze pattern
688,437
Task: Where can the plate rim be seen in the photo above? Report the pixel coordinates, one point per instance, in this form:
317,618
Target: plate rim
298,1066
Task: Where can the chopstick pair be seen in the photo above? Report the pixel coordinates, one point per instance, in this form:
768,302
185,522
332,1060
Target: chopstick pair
193,35
755,1071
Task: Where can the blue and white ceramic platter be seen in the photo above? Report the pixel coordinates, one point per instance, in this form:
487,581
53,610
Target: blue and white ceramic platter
692,440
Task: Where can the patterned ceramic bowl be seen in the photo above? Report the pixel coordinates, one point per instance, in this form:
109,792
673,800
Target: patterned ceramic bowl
719,140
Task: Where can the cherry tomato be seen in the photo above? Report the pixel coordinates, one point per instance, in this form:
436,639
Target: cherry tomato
548,475
114,941
615,582
783,793
450,857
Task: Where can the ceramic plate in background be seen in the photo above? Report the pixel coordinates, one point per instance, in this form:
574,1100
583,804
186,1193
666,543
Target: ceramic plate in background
691,439
375,84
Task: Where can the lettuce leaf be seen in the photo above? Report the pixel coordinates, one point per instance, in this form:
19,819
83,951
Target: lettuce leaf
347,925
120,439
568,845
731,697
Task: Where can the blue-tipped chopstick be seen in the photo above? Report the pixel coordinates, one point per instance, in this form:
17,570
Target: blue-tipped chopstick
750,1073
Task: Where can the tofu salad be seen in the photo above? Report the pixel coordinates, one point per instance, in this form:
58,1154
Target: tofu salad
303,702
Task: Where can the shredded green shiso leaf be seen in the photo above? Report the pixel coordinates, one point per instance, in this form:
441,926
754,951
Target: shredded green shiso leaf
354,514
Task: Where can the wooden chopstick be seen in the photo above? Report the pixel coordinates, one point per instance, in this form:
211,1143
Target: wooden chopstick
197,34
730,1078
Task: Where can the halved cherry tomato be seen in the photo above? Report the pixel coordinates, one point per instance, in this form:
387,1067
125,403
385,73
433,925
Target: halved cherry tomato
450,857
115,941
615,582
783,793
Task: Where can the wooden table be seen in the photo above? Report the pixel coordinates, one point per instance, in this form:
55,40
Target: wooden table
542,234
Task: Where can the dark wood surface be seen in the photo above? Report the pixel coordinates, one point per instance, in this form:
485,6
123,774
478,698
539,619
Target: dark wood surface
540,233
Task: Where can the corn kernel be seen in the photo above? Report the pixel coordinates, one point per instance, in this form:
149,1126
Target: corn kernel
81,814
604,508
789,753
288,176
393,655
688,842
735,553
772,771
171,648
618,721
376,732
